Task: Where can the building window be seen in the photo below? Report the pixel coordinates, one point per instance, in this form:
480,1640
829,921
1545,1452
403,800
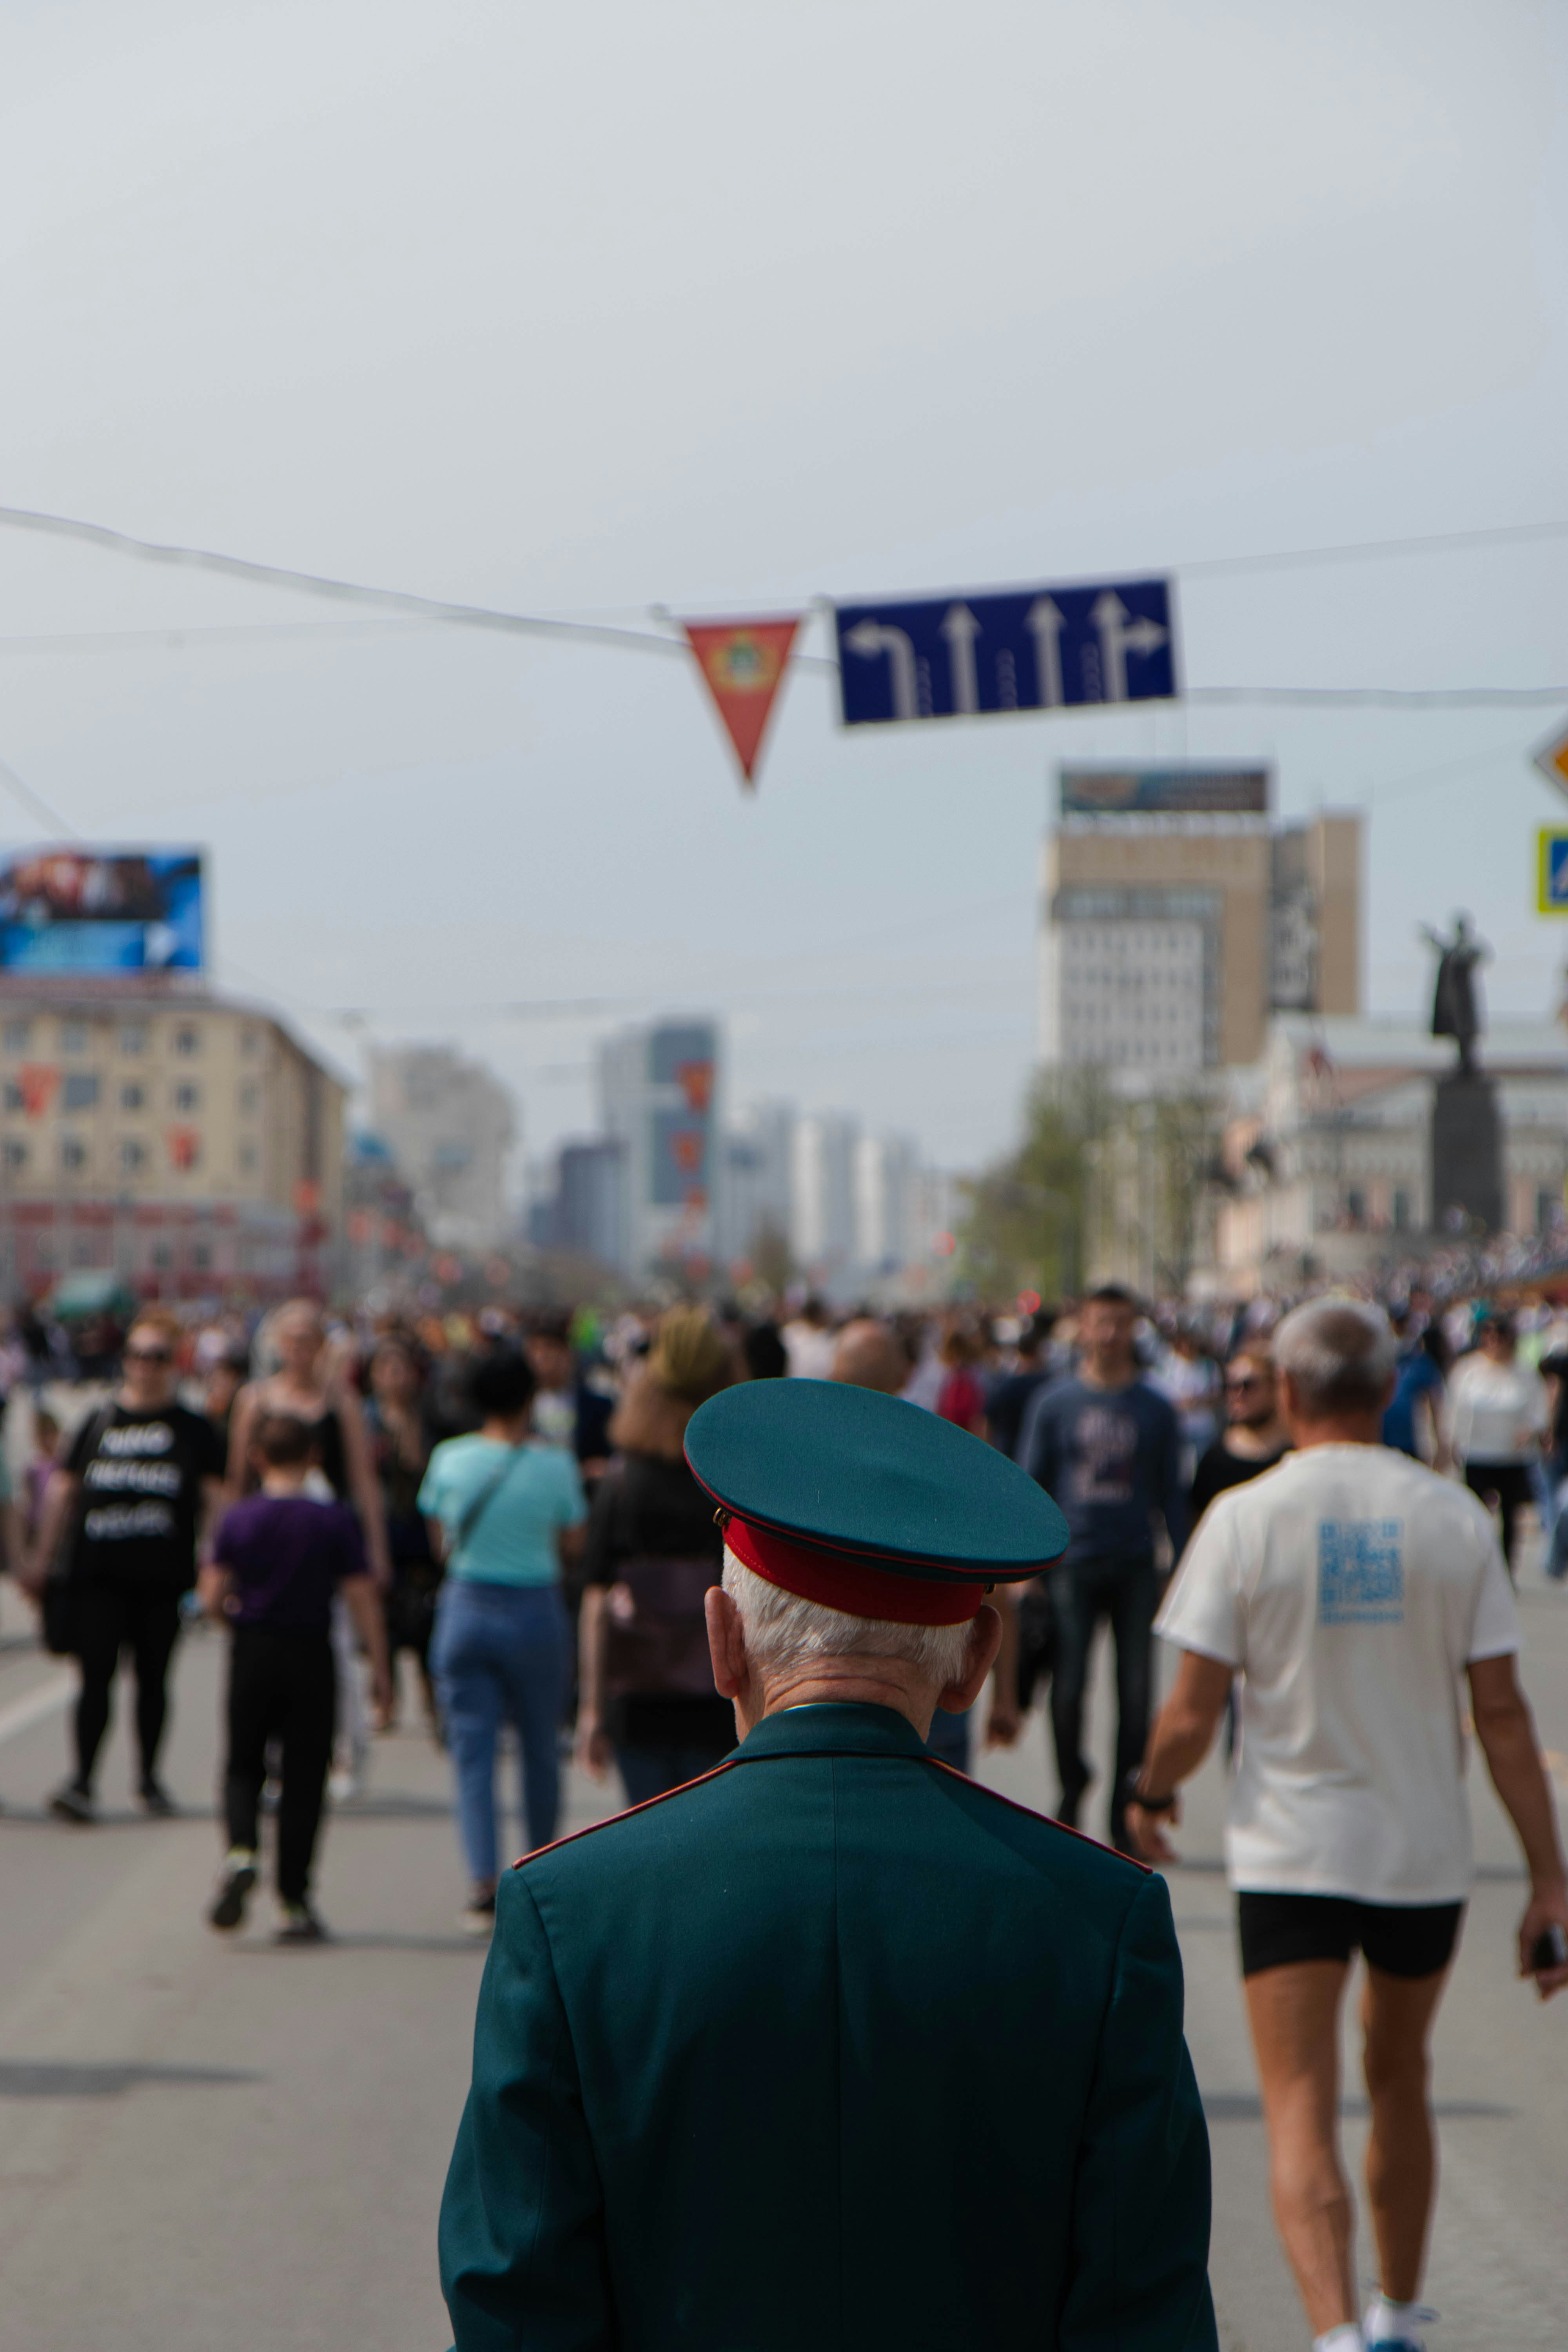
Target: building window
15,1152
248,1041
201,1257
82,1252
1355,1207
248,1157
131,1154
1401,1212
73,1036
14,1098
73,1152
188,1097
133,1037
1546,1209
249,1096
187,1041
131,1099
163,1255
18,1032
81,1092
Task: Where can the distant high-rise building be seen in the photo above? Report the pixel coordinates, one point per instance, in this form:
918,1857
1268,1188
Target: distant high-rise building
1176,917
660,1093
885,1201
449,1123
822,1195
756,1194
589,1215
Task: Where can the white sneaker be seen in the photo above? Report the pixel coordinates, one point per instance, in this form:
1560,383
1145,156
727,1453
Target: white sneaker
1385,2334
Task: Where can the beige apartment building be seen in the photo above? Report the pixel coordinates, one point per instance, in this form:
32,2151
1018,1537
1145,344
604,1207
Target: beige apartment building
183,1140
1169,940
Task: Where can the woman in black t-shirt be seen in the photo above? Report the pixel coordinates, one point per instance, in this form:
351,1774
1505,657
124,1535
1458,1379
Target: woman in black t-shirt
645,1685
138,1482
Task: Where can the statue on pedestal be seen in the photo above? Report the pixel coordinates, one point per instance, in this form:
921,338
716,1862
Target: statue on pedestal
1454,1011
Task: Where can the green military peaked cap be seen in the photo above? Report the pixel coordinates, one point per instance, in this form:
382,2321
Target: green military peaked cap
838,1492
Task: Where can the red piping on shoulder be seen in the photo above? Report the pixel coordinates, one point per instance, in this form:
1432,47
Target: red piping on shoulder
663,1797
1049,1819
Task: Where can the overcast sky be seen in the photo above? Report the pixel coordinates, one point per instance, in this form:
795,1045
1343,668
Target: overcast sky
719,308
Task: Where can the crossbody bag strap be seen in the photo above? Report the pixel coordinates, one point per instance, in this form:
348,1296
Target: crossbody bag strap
470,1521
70,1535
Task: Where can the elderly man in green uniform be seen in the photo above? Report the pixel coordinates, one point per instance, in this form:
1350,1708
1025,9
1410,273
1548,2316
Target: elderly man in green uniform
834,2047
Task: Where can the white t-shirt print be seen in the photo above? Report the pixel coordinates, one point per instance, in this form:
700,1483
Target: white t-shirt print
1350,1587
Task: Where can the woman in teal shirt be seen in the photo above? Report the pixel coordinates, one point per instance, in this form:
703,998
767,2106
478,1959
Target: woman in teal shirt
505,1513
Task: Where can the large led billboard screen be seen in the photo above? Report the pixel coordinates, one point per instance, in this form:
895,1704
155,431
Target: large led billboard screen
79,910
1165,792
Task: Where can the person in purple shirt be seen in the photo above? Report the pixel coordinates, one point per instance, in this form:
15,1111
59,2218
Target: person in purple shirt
278,1560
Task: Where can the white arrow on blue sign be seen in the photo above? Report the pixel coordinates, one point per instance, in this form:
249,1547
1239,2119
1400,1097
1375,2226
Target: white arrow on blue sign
1029,649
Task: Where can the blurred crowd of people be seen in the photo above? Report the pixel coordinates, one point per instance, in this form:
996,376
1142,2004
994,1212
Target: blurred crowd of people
487,1517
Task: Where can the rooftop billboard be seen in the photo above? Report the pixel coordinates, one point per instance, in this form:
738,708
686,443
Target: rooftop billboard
1165,792
76,911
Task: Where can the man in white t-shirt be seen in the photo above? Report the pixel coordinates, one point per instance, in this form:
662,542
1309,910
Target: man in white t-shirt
1355,1593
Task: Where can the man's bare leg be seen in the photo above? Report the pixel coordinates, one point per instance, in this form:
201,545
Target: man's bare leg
1294,2016
1396,2014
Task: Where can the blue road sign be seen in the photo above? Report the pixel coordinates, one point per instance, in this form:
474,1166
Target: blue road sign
1031,649
1551,871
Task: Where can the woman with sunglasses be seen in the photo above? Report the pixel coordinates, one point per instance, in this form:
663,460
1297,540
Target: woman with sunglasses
135,1484
1254,1436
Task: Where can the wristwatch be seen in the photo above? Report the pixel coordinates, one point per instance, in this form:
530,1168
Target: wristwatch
1134,1794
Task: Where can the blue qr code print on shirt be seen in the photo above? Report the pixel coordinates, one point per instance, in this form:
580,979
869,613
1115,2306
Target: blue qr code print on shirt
1361,1572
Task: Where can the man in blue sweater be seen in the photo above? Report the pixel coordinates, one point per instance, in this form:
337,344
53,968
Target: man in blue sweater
1109,1448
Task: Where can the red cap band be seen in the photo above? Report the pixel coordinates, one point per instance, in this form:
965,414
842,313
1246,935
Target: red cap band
841,1581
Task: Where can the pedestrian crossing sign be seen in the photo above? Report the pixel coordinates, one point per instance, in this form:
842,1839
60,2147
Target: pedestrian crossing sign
1552,873
1552,759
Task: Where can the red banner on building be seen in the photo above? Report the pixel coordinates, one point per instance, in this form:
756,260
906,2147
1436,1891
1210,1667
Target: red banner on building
39,1082
743,663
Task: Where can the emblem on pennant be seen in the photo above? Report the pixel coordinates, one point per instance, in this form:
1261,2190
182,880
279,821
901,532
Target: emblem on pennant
742,664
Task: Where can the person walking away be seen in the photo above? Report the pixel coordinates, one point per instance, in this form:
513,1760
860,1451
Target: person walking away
400,1450
1416,1421
1364,1602
279,1560
1014,1392
1254,1436
646,1691
312,1383
507,1511
832,2046
962,1397
566,1410
1187,1374
1499,1416
1108,1447
137,1482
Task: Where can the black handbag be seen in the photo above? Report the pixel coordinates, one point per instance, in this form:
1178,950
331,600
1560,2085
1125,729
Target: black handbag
1037,1642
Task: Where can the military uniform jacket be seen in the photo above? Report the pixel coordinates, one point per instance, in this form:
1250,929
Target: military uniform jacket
831,2051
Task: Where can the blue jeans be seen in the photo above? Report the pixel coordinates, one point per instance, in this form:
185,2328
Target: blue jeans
502,1651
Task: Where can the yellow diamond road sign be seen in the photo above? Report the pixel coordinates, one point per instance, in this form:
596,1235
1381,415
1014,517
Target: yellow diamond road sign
1552,759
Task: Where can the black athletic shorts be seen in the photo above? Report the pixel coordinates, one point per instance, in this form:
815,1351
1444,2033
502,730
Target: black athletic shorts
1402,1939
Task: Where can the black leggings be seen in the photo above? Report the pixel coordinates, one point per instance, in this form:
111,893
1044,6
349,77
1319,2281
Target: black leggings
281,1687
1510,1482
106,1620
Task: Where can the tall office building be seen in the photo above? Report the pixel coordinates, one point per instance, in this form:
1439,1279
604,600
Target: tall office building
822,1195
659,1099
449,1124
755,1197
885,1172
1176,917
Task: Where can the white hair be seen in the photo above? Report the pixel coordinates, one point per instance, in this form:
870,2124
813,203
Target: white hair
784,1632
1339,1354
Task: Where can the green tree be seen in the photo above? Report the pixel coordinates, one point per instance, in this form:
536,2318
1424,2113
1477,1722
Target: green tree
1029,1217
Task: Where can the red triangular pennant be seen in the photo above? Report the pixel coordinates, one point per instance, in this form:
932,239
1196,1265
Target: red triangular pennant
744,665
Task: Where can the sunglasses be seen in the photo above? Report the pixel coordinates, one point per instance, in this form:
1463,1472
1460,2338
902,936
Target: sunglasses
149,1355
1240,1388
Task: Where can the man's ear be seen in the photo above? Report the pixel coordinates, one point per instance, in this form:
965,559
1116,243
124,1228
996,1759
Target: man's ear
726,1642
984,1641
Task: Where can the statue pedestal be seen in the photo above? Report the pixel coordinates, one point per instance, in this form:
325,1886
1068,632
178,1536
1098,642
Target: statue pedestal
1467,1151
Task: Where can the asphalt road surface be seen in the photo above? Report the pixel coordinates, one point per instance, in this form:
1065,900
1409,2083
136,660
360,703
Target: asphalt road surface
209,2142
